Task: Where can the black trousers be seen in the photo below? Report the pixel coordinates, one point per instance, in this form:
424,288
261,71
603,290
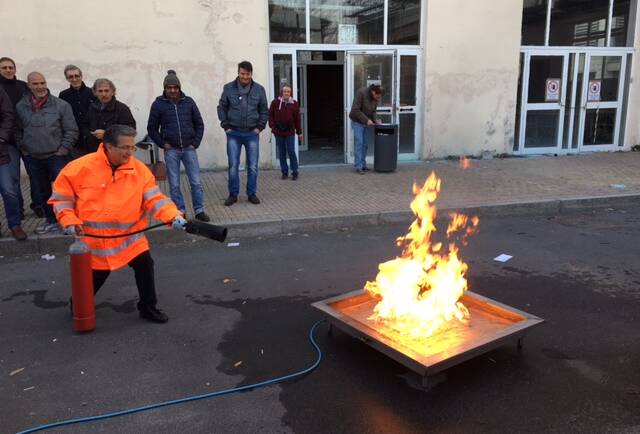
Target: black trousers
143,269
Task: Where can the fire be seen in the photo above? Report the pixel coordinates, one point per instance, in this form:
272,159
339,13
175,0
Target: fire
419,291
464,163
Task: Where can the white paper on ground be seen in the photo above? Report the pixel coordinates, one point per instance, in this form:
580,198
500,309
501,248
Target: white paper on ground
502,258
233,244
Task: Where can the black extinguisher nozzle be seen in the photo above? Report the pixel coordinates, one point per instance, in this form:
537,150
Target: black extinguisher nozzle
208,230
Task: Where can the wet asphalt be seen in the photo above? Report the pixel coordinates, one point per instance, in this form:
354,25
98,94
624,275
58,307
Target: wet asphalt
241,314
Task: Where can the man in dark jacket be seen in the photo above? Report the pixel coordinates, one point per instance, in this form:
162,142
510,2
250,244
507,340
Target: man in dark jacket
9,169
103,113
363,115
49,132
16,89
79,97
176,125
243,112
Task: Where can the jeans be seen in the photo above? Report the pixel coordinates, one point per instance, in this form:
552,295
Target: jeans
360,145
10,187
250,140
189,158
42,173
145,281
287,146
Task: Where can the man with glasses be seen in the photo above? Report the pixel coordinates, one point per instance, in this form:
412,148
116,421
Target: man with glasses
110,193
48,134
80,97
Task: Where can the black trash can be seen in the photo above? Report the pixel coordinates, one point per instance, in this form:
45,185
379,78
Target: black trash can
385,150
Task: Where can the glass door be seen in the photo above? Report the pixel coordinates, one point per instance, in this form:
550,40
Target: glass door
601,102
282,63
407,106
544,90
365,68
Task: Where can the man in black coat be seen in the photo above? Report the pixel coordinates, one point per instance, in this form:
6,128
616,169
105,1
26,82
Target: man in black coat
16,89
80,97
103,113
10,169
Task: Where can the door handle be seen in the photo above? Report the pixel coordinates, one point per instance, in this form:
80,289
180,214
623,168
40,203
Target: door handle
405,110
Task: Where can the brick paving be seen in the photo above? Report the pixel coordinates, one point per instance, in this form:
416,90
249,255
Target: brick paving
339,191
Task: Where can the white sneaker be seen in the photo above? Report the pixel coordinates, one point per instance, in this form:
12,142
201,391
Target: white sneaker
47,228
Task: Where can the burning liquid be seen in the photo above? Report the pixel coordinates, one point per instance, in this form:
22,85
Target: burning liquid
419,290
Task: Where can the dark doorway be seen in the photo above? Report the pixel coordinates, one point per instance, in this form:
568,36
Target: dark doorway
325,95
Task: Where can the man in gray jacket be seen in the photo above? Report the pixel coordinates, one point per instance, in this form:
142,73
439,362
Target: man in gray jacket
243,112
49,132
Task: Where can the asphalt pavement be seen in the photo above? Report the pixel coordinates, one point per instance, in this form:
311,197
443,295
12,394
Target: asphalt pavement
241,314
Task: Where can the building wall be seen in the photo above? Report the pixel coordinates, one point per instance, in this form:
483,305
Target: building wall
471,76
134,43
632,136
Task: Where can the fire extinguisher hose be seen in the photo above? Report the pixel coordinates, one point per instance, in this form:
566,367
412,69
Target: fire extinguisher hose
125,412
127,234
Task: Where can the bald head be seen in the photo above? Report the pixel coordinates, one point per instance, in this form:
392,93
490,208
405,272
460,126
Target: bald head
37,84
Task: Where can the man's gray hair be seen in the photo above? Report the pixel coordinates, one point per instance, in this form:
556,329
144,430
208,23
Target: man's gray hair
71,68
101,81
113,133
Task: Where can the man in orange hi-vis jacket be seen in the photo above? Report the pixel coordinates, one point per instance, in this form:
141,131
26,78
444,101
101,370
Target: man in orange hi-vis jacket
109,192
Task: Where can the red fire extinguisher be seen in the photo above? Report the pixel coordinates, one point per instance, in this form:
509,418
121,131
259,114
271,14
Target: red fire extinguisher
84,310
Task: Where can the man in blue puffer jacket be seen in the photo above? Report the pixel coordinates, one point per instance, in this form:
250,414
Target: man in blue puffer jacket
176,125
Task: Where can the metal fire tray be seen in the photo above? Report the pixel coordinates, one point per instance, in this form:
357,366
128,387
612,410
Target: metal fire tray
492,325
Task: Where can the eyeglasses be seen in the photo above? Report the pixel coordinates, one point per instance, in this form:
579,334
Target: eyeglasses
127,148
74,76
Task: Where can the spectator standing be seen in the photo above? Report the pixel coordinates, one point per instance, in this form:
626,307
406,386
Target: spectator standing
284,121
9,169
103,113
16,89
363,115
80,98
49,132
243,114
176,125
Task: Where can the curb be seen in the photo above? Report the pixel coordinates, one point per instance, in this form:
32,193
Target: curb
59,244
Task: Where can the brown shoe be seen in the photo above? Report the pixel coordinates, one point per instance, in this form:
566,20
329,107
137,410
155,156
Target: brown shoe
18,233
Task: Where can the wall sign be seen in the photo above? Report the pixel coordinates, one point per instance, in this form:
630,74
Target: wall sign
347,34
594,90
552,90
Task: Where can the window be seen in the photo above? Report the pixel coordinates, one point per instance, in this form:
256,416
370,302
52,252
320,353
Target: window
404,22
581,23
534,21
347,22
287,21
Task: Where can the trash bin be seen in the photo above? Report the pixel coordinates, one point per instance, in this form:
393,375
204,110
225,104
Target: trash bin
385,150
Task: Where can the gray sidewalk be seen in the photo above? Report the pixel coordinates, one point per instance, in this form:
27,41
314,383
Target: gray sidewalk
332,197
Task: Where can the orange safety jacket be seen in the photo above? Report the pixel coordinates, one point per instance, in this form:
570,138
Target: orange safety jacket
109,201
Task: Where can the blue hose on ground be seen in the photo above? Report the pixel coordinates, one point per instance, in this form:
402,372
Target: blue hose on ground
189,398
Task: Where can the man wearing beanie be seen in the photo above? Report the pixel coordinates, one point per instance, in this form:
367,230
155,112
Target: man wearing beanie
176,125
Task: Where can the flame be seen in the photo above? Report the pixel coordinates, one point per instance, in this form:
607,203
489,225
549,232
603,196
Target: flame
464,163
419,291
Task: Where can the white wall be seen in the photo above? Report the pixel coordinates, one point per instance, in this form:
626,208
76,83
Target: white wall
471,76
135,42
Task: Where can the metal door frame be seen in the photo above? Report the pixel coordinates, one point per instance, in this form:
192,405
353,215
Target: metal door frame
573,147
349,92
617,105
417,109
294,92
526,106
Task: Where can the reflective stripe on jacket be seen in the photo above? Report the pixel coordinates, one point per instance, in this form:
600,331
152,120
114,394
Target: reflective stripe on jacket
104,201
